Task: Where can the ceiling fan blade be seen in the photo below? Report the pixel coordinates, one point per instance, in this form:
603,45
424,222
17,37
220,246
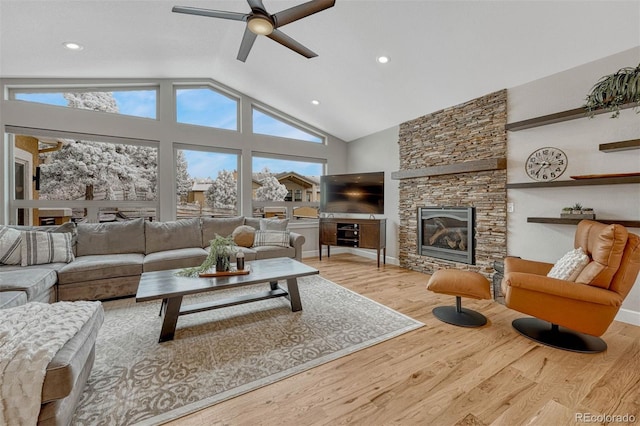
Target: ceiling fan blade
287,41
257,4
247,43
303,10
210,13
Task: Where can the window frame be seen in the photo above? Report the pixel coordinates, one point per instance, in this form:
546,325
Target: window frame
13,90
217,89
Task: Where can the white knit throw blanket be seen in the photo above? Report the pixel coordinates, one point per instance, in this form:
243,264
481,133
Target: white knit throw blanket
30,336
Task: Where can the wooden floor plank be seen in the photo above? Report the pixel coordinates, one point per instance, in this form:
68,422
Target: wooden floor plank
441,374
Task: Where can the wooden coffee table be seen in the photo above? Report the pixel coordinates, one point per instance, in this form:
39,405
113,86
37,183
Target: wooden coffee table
168,287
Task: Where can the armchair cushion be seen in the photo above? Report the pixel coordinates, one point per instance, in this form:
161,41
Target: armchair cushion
570,265
605,244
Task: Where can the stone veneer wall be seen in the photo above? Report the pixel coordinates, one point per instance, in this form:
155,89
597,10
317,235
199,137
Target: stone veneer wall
467,132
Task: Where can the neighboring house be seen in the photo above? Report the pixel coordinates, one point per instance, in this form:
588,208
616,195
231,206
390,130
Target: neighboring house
299,187
197,193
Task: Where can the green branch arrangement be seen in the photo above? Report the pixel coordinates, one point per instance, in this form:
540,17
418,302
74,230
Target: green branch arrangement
615,90
220,252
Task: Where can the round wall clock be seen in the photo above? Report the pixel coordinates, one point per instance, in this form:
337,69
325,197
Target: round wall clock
546,164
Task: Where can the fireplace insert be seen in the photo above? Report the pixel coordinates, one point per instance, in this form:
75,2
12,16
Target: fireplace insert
447,233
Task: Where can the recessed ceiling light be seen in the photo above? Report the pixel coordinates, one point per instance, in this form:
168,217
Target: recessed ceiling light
72,46
315,102
382,59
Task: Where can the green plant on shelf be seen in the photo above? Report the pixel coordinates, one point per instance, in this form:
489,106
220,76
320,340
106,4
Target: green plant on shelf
613,91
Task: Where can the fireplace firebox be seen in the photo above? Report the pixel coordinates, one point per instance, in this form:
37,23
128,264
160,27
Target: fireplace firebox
447,233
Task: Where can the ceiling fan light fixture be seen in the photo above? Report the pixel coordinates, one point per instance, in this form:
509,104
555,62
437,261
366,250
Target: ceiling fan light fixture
260,25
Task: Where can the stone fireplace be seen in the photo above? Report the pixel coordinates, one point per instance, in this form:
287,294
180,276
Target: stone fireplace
455,157
447,233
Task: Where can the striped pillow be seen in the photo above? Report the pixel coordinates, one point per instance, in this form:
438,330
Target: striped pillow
271,238
9,246
46,247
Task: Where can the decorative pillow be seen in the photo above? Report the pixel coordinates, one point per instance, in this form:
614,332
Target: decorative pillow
273,224
46,247
10,246
271,238
244,235
570,265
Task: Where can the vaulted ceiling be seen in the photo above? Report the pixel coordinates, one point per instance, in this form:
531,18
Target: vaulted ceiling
442,52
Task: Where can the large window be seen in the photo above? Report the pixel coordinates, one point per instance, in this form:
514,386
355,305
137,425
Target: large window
286,188
207,183
203,106
135,102
75,173
267,124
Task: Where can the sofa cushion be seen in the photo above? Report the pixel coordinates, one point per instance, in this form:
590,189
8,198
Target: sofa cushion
97,267
271,238
605,244
45,247
244,235
174,259
10,253
10,299
33,282
111,238
172,235
273,224
253,222
67,364
223,226
269,252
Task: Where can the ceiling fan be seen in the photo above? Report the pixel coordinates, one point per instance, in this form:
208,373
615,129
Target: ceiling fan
260,22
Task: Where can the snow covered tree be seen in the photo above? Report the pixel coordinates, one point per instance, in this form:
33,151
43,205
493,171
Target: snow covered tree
271,190
223,192
81,169
95,101
184,182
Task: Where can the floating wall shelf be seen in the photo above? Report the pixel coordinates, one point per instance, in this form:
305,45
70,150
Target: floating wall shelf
558,117
620,146
562,221
577,182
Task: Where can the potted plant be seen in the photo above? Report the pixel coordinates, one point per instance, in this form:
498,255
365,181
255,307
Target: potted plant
577,208
566,212
613,91
588,213
220,251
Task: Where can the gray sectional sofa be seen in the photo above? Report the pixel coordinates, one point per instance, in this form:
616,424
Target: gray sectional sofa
110,257
107,263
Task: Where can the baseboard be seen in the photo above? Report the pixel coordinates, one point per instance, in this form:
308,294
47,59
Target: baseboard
369,254
628,316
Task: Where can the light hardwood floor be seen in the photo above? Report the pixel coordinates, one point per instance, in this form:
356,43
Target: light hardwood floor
441,374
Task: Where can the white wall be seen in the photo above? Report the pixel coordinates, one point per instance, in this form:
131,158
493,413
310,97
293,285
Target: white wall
380,152
579,139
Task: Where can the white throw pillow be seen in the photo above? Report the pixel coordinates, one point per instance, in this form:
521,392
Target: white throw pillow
46,247
10,246
570,265
271,238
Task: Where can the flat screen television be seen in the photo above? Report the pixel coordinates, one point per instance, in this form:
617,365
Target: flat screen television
352,193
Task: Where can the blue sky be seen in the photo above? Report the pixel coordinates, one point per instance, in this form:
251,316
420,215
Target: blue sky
205,107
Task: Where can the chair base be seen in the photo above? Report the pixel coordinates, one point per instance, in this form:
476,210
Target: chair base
558,337
457,315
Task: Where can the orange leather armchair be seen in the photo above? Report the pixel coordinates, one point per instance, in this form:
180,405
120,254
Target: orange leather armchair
571,315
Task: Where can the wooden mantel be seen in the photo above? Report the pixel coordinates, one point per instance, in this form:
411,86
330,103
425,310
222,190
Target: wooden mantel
450,169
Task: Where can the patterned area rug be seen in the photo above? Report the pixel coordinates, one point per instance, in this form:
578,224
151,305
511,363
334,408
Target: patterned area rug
219,354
